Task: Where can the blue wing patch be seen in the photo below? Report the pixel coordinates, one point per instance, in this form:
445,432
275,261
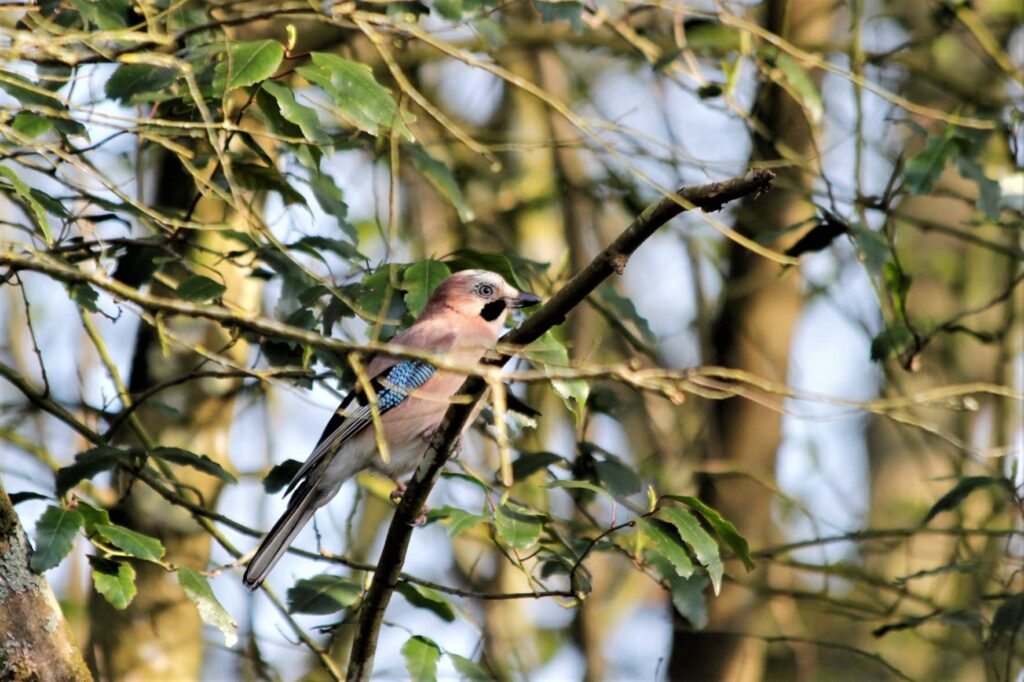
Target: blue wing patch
391,387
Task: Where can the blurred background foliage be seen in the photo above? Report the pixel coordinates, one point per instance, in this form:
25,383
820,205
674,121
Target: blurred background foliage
744,469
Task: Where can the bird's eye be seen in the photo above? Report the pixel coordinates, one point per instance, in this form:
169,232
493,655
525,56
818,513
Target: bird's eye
485,290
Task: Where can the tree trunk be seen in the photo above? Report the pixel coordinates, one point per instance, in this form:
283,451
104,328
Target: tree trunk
35,639
753,332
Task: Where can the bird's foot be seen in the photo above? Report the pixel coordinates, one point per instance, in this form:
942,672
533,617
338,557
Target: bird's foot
396,497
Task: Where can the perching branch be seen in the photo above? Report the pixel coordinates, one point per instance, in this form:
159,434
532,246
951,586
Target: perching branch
613,259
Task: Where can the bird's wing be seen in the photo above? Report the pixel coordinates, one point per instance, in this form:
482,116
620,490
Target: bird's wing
392,381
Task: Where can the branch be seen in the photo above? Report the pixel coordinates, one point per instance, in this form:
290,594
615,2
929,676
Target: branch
612,260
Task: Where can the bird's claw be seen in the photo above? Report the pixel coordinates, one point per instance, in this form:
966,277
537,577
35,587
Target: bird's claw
396,497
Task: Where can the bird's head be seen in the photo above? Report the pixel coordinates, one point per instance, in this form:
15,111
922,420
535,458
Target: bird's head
478,293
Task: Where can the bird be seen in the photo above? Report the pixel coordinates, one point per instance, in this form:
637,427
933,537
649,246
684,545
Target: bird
462,320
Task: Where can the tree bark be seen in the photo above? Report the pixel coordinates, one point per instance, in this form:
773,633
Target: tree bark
35,640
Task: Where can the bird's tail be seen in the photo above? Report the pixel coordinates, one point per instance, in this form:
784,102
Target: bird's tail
275,543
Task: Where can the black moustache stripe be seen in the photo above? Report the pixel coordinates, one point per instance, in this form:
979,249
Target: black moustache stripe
492,310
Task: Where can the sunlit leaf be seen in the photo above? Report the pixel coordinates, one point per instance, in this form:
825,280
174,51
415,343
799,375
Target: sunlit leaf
724,528
93,516
421,656
115,580
419,280
703,545
247,63
31,125
55,537
197,588
517,526
668,544
801,82
137,544
296,113
456,520
360,99
322,594
23,193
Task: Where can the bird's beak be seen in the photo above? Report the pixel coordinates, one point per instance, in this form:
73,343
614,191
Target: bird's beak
522,300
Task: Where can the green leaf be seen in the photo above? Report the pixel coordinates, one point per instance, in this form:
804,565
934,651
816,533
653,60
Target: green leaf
1009,617
421,656
963,488
563,11
625,310
891,341
722,527
360,99
517,526
798,78
198,462
24,194
199,288
668,544
31,125
468,670
440,176
85,296
115,580
281,475
299,114
27,92
332,201
93,516
427,598
197,588
322,594
923,170
687,594
529,463
138,545
87,464
872,248
549,352
107,15
247,63
255,177
897,283
55,537
620,479
571,484
468,259
131,82
458,520
419,280
449,9
989,192
704,546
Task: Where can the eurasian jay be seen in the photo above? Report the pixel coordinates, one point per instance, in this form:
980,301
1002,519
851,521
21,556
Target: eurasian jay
462,320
